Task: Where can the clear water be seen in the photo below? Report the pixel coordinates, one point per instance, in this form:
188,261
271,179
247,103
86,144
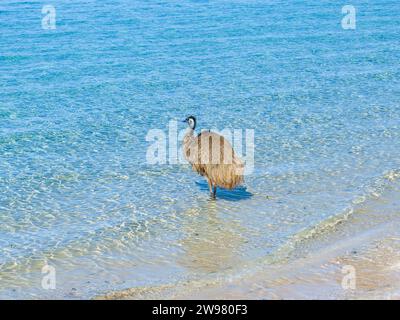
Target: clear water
77,102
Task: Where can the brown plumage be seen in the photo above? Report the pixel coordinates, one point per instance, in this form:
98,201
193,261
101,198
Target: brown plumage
213,157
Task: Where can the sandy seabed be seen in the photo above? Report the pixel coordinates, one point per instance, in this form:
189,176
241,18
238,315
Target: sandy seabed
358,258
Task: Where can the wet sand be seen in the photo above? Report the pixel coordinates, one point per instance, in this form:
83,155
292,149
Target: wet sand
366,245
376,270
317,276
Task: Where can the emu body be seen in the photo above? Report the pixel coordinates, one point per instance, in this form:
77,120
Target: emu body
213,157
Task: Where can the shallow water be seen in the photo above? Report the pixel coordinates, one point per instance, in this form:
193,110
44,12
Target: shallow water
77,102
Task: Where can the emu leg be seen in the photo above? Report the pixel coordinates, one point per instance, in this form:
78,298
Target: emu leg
214,193
210,186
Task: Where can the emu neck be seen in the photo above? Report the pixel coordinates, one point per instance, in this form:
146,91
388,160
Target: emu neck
189,134
189,137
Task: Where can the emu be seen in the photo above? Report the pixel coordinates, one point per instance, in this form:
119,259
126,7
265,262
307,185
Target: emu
213,157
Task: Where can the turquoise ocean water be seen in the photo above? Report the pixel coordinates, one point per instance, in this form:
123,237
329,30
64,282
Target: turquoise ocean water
77,102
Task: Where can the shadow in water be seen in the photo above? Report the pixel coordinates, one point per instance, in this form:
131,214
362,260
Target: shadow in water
237,194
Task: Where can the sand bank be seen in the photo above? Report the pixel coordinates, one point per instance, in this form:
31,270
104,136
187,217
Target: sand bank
353,258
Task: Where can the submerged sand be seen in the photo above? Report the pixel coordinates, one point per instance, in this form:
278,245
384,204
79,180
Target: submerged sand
376,270
357,257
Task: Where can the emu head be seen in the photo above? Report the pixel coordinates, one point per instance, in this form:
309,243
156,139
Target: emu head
191,121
